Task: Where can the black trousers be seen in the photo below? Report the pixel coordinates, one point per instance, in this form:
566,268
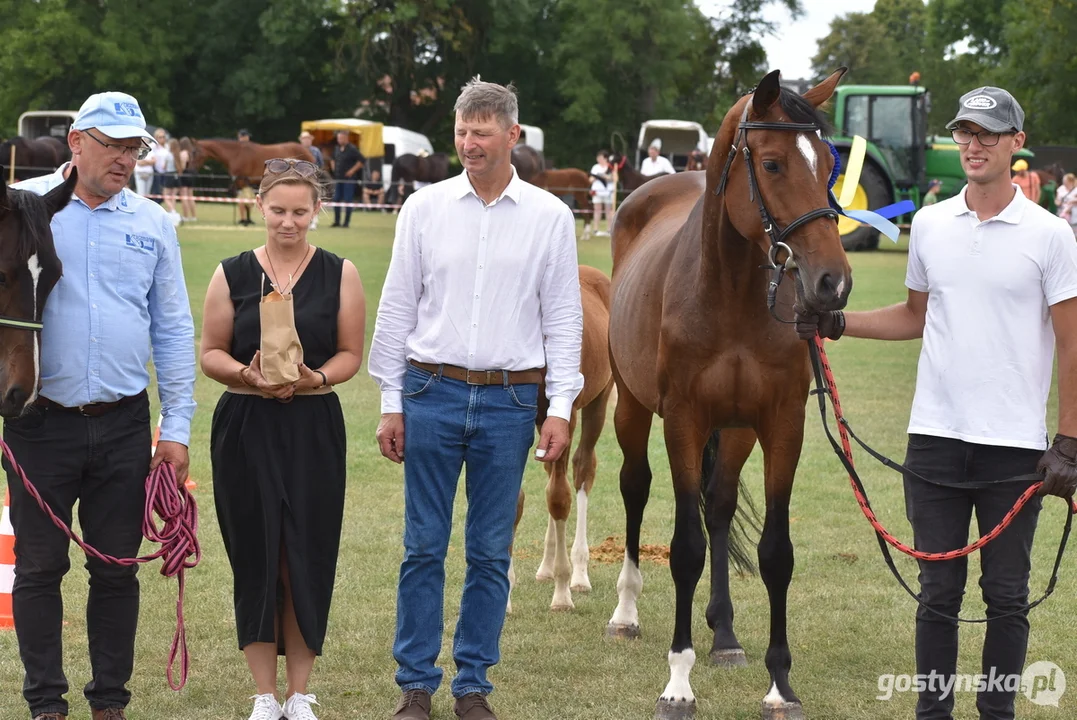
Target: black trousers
940,518
101,462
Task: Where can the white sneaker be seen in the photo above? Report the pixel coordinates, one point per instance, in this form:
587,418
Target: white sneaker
266,707
297,707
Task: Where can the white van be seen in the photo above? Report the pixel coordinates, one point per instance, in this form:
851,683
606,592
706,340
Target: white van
52,123
679,138
532,137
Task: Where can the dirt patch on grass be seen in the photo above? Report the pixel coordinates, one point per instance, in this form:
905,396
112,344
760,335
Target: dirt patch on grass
612,551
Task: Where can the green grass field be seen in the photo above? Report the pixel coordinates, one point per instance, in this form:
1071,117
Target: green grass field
848,620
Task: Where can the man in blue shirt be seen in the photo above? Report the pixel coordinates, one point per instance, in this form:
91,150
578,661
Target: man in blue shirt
121,300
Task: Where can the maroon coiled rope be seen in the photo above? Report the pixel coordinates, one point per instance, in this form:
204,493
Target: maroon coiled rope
178,536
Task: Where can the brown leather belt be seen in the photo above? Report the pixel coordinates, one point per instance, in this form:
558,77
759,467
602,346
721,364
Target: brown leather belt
483,377
91,410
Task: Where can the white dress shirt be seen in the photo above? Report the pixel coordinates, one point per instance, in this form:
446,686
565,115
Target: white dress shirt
656,167
484,287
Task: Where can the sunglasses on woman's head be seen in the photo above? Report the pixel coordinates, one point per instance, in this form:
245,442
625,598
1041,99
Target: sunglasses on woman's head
277,166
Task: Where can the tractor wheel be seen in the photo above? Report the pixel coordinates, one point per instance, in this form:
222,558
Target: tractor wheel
872,193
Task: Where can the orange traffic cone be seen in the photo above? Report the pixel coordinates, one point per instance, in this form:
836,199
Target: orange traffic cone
7,566
191,484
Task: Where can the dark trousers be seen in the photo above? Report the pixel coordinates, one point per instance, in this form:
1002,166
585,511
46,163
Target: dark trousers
343,191
102,463
940,518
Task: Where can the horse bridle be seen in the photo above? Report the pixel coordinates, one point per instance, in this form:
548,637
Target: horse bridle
777,237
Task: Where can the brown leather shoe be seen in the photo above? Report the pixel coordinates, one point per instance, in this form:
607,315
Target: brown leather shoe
473,706
413,705
109,714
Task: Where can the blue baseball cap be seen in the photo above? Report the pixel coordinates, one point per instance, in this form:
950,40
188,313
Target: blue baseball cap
115,114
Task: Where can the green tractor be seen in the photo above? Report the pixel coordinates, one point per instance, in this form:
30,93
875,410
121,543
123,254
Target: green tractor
901,156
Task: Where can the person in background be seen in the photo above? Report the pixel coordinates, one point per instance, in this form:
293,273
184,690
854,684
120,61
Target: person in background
347,163
244,191
86,437
1027,180
187,175
170,182
374,189
308,142
602,190
932,195
279,451
160,155
1067,201
655,164
144,171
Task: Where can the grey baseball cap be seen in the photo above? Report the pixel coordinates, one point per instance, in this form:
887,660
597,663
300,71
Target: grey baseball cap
992,108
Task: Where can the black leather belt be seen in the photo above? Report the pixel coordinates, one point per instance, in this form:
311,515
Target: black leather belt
93,409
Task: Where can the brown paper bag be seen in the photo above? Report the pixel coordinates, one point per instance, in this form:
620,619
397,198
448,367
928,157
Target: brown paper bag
280,347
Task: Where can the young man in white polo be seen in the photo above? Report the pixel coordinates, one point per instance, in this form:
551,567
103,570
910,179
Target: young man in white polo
992,280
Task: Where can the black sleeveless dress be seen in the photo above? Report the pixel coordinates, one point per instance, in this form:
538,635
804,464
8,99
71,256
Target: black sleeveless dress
279,468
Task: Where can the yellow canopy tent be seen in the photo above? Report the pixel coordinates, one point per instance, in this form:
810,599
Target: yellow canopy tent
366,135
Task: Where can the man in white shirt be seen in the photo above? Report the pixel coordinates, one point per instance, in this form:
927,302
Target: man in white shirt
655,164
481,299
992,281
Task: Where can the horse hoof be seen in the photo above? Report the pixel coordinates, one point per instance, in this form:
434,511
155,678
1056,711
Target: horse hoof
783,711
729,657
675,709
623,632
562,607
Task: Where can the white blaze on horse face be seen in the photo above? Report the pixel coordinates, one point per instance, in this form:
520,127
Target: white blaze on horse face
35,272
679,688
808,151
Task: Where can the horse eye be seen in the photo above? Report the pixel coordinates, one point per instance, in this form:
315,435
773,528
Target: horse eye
770,166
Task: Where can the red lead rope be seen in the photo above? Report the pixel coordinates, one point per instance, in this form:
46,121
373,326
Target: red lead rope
178,536
865,507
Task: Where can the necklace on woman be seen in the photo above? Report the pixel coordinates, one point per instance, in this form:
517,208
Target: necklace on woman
291,276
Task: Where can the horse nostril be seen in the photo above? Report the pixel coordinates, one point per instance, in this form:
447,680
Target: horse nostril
831,284
16,397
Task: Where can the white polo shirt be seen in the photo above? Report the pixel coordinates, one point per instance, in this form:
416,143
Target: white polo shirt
985,365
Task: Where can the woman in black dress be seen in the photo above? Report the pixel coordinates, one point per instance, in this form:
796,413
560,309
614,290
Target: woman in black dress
278,451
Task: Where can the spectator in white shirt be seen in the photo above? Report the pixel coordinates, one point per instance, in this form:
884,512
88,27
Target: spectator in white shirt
655,164
482,292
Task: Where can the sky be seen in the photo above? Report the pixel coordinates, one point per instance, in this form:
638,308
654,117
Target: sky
791,48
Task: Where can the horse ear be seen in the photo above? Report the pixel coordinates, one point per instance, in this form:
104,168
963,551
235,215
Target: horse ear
57,198
766,93
822,92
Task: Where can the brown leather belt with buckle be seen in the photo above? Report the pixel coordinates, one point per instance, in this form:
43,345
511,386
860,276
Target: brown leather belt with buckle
483,377
91,410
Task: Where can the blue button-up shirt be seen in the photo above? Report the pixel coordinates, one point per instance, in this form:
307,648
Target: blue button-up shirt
121,296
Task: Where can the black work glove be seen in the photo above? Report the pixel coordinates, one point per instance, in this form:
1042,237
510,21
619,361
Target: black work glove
829,324
1059,466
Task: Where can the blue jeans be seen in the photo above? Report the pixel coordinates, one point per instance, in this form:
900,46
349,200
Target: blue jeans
448,423
344,192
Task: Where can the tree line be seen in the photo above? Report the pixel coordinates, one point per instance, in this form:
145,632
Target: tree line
587,71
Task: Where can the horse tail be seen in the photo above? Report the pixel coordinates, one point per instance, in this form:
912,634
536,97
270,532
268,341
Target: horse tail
745,527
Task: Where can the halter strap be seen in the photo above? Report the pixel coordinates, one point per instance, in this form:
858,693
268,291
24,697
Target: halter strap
18,324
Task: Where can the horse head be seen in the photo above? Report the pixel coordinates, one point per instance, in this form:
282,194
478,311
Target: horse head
774,186
29,269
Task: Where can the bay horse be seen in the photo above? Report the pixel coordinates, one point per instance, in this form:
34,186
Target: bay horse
528,162
410,168
245,161
691,340
627,174
29,269
34,157
570,182
590,406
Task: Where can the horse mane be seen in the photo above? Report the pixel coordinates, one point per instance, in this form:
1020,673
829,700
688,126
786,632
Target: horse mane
800,110
35,221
